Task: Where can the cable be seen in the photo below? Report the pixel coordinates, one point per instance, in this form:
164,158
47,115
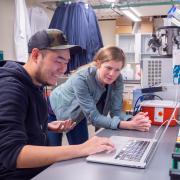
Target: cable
164,131
169,120
137,107
167,125
116,11
45,92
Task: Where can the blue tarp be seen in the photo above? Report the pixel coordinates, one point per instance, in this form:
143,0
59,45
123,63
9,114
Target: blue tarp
80,25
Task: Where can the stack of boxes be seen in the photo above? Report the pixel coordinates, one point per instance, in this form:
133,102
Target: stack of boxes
125,25
146,25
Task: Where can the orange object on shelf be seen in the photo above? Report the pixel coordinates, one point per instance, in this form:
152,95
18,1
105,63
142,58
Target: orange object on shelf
127,105
160,110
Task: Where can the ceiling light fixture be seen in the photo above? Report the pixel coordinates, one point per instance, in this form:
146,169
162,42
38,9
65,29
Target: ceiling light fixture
112,1
175,21
131,15
134,10
174,16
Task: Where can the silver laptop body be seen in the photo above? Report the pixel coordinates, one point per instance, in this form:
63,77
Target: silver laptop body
123,146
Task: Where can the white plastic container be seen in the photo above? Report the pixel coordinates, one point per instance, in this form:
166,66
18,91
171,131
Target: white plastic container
138,72
128,72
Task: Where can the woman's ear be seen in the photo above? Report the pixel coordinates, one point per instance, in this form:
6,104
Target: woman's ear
98,63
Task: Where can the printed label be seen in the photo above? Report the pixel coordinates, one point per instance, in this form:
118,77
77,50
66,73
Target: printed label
158,114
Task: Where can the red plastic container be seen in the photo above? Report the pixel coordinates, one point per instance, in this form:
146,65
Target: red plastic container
160,110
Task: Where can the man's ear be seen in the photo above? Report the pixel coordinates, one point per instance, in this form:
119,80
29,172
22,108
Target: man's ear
34,54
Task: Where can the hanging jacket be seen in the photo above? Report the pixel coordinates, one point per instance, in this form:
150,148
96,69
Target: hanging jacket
22,31
78,21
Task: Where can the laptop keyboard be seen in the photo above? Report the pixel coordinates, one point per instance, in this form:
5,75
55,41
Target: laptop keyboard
133,150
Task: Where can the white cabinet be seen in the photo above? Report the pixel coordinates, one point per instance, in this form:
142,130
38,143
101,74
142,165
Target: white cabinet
135,46
127,43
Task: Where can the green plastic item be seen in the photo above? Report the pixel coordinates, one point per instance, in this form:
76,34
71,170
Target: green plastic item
1,55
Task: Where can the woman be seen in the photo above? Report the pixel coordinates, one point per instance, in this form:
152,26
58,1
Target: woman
91,93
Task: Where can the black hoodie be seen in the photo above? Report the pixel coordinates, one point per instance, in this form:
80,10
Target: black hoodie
23,119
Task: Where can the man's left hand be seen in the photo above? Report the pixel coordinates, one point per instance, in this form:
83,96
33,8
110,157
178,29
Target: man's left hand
61,126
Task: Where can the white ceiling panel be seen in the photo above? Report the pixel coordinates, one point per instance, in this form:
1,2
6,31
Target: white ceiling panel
153,10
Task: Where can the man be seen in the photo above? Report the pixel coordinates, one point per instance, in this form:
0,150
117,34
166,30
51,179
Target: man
24,149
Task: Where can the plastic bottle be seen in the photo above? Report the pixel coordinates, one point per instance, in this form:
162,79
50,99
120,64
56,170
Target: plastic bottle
129,72
138,72
127,103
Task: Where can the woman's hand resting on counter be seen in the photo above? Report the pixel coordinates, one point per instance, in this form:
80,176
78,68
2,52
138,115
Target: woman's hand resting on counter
138,122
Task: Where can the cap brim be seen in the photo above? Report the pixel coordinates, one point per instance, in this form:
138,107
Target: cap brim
74,49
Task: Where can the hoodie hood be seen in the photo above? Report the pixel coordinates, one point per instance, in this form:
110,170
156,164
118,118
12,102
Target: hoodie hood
13,68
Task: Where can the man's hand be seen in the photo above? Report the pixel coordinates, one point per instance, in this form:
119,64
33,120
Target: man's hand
97,145
61,126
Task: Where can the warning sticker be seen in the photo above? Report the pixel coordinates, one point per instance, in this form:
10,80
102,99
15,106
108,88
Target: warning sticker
158,114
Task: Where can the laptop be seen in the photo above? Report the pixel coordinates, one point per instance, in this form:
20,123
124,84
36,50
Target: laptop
131,151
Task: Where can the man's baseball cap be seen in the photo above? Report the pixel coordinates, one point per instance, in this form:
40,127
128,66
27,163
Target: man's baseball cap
53,39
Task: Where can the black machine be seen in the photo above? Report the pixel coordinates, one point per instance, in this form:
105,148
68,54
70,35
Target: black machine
164,39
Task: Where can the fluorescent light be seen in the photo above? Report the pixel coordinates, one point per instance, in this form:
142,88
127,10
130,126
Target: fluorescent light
175,21
111,1
135,11
177,14
131,15
174,12
174,16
